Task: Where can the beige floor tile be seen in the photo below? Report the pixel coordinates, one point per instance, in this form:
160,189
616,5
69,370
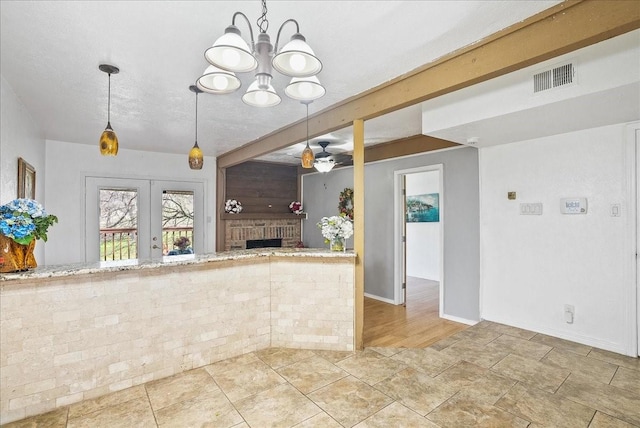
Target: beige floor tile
396,415
350,400
243,380
334,356
208,410
545,408
89,406
224,365
565,345
280,357
601,420
487,390
311,373
370,367
475,352
608,399
506,329
476,383
531,372
54,419
627,379
416,390
134,413
387,352
426,360
613,358
444,343
241,425
477,334
522,347
459,412
462,374
321,420
281,406
179,387
590,367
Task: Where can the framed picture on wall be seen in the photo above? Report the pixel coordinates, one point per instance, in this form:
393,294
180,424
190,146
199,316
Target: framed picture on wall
26,180
423,208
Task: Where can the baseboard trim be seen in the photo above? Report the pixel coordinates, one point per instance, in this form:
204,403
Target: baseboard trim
382,299
458,319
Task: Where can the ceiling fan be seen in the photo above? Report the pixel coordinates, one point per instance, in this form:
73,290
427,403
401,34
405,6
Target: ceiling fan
325,161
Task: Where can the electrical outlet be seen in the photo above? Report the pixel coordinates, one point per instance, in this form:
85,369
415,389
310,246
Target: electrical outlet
569,313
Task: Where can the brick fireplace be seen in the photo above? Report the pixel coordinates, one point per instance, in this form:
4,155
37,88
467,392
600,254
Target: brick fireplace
237,232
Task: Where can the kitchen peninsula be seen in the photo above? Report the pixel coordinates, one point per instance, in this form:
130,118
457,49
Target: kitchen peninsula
71,333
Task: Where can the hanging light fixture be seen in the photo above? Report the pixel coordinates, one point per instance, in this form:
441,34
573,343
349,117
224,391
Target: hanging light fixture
324,162
196,160
109,139
231,54
307,153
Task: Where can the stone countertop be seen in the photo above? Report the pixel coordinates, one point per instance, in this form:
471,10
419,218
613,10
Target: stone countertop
178,260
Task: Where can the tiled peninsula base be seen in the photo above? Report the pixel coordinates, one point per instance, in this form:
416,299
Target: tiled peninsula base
68,338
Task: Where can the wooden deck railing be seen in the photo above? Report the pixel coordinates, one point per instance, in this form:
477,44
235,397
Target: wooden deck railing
122,243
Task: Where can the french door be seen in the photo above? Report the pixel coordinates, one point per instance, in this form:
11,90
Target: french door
142,219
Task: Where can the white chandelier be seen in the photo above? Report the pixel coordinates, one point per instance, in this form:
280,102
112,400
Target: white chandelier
230,54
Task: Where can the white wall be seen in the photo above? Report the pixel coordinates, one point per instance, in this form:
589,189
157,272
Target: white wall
20,136
423,239
68,164
531,266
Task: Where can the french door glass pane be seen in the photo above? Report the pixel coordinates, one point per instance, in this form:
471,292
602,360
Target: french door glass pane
118,224
177,222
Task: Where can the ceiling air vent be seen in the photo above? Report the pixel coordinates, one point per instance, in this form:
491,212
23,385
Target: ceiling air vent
559,76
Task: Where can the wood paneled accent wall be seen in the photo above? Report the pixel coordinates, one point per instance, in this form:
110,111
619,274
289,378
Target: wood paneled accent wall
262,187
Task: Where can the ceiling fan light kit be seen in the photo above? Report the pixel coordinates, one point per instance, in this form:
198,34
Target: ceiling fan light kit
108,138
232,54
324,162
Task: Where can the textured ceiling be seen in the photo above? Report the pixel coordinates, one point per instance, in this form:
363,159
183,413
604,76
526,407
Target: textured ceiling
50,52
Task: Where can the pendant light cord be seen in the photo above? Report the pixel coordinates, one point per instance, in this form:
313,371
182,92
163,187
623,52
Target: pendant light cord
196,118
109,102
307,104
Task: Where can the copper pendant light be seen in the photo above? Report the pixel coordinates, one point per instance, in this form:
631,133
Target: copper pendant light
307,154
196,160
109,139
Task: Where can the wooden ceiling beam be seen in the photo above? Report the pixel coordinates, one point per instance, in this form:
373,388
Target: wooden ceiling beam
564,28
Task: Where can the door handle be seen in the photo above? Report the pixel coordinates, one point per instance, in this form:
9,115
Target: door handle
155,247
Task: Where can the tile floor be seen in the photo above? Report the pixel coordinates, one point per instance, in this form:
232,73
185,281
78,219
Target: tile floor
489,375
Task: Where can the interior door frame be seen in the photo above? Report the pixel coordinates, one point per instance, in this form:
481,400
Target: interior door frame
399,225
633,243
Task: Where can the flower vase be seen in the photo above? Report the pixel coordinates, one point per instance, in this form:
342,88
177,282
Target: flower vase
16,257
337,244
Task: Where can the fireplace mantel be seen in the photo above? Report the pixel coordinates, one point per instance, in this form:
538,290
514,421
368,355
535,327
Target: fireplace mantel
263,216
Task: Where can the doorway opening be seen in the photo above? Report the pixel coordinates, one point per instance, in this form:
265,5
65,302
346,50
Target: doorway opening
413,317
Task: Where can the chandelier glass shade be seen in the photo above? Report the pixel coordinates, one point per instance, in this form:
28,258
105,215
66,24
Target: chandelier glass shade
218,81
196,159
305,88
230,54
108,138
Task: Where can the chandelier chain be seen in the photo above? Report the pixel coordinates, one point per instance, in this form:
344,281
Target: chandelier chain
263,22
